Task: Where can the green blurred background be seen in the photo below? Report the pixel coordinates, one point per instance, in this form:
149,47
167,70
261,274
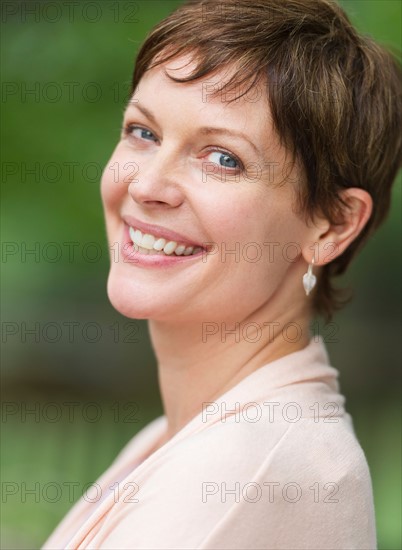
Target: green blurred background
89,374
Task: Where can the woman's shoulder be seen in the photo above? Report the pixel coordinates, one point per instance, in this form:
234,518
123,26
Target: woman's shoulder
307,446
231,484
308,474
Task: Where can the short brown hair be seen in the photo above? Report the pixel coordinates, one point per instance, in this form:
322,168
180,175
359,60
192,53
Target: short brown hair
335,96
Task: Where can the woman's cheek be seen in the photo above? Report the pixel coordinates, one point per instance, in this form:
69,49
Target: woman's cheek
115,178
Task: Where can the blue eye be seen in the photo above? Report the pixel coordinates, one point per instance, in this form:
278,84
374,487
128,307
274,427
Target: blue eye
142,133
225,160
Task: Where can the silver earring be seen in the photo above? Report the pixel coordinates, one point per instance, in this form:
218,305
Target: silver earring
309,280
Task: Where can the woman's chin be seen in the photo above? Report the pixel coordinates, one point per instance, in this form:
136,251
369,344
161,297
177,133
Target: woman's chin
140,300
129,300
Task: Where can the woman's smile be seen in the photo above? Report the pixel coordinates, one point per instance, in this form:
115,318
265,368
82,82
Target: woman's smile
147,250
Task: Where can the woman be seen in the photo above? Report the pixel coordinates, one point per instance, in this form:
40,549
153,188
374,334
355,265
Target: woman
257,155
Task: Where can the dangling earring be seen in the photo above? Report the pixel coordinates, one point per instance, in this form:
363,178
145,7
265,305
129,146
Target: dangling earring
309,280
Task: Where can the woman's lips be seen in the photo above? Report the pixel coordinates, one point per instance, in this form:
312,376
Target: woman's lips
130,255
159,231
151,244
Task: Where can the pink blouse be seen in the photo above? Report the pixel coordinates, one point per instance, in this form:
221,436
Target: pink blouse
274,463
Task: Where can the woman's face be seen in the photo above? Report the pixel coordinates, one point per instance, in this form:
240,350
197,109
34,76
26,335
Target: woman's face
208,171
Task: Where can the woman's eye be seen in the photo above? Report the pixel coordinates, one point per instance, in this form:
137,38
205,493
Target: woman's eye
224,160
140,133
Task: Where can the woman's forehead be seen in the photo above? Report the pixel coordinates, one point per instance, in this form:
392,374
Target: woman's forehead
208,95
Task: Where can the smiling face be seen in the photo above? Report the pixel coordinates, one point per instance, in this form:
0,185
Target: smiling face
193,171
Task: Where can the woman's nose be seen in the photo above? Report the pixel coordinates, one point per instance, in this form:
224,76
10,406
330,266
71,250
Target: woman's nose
158,181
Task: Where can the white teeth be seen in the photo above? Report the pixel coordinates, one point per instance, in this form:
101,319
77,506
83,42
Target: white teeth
180,249
159,244
132,233
148,244
148,241
169,247
136,236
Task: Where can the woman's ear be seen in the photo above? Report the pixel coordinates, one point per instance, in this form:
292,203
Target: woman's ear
331,240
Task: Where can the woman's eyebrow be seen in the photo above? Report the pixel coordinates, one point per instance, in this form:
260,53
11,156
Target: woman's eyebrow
206,130
144,110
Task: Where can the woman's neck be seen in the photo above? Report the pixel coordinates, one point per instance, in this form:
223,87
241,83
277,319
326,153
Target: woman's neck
198,362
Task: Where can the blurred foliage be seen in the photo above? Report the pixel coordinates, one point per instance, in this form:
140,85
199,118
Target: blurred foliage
77,63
